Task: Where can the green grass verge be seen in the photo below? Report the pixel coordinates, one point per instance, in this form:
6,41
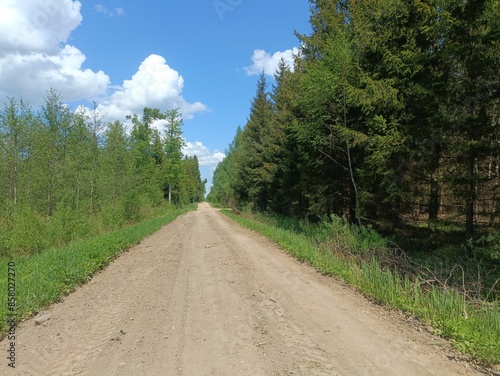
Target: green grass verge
473,328
46,277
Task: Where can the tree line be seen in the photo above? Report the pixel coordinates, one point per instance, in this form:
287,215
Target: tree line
390,116
65,174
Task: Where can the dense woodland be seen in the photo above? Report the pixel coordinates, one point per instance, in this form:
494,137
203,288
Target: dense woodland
66,175
389,117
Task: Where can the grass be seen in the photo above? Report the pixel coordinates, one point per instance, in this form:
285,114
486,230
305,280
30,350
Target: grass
339,249
24,231
46,277
440,251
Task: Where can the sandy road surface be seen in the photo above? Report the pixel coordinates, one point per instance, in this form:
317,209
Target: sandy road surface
205,297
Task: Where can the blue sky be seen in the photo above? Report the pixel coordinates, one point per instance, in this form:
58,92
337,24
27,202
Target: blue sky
203,56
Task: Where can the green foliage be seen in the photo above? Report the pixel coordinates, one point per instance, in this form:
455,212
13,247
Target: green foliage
332,232
190,188
488,245
67,176
225,182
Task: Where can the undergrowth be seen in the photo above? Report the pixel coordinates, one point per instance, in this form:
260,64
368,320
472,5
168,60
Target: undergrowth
24,231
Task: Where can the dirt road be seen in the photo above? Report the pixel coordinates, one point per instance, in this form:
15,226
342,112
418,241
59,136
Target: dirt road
205,297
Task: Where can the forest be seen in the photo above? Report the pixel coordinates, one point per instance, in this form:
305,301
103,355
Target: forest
67,175
390,118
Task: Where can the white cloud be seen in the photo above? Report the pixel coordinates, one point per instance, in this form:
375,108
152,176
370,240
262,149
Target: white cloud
34,56
155,84
99,8
36,26
205,156
265,62
31,75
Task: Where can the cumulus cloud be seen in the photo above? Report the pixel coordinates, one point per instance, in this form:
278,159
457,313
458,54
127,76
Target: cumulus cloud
205,156
31,75
265,62
155,84
33,26
34,56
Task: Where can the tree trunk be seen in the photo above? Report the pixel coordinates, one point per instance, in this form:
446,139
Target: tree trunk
78,191
470,199
471,193
433,199
355,187
14,182
434,193
91,204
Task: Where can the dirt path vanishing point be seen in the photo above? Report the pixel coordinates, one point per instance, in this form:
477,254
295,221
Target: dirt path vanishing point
204,296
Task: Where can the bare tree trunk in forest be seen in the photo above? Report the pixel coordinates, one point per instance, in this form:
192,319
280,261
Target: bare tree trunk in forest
15,167
434,192
355,186
470,198
50,188
96,128
78,191
14,182
351,170
470,195
91,205
494,198
433,199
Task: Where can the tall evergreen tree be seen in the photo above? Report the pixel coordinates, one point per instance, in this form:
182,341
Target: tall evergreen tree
286,187
255,165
